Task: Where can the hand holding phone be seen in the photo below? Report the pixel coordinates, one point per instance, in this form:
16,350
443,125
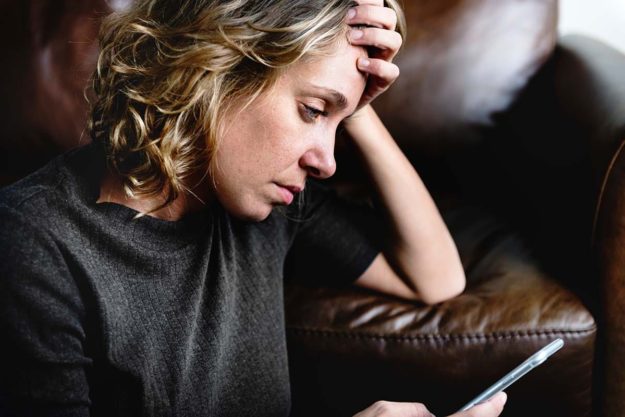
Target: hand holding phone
529,364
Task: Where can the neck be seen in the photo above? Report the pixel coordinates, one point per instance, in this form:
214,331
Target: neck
112,191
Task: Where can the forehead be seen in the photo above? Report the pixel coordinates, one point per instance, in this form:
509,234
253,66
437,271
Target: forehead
337,71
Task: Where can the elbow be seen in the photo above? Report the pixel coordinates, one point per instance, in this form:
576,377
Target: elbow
448,278
447,289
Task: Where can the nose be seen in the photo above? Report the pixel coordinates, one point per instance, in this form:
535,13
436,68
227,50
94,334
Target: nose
318,161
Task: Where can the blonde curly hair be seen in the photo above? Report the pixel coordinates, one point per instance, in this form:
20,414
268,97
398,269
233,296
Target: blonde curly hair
167,72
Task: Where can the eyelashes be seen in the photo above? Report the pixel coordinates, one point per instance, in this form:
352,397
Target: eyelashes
311,113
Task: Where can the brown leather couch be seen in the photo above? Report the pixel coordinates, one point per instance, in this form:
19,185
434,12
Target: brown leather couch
518,134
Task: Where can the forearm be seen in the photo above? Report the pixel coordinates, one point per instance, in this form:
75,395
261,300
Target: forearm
421,249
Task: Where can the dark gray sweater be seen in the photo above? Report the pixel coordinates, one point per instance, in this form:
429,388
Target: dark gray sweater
104,315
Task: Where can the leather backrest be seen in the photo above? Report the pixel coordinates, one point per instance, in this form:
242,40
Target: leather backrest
50,48
463,60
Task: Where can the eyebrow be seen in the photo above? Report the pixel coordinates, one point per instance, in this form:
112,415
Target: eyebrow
338,99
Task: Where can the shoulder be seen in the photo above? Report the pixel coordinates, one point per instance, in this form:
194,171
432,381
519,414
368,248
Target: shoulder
35,217
31,192
309,202
40,196
326,202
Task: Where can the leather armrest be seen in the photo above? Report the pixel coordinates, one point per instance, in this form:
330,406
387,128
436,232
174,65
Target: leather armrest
350,347
591,87
570,126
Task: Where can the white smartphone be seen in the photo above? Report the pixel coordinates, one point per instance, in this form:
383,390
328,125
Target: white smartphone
512,376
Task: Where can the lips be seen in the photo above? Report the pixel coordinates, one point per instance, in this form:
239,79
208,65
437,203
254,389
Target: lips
292,188
287,192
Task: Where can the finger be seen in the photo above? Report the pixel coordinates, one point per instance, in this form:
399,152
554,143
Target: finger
390,408
387,72
381,75
491,408
370,15
387,41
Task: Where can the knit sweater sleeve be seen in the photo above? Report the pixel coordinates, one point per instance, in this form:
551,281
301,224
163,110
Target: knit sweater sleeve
43,366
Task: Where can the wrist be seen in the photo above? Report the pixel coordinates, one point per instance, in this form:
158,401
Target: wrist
358,117
363,125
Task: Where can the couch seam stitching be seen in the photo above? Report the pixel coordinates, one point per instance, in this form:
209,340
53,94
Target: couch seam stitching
495,335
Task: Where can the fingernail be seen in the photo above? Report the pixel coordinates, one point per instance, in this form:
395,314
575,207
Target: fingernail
351,13
364,62
356,34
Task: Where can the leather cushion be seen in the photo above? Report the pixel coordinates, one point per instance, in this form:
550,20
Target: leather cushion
351,347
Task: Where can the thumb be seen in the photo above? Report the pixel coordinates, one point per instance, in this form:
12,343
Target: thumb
490,408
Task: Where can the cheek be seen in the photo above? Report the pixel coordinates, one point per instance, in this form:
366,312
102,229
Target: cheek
267,138
253,145
277,139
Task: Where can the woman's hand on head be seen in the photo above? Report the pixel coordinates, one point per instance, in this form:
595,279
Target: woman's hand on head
373,27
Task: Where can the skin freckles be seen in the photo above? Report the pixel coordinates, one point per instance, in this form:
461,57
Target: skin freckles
286,134
269,149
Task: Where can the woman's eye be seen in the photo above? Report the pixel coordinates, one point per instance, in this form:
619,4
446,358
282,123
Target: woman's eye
313,113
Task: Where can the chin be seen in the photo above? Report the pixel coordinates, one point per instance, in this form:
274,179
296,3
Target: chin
245,207
254,217
255,214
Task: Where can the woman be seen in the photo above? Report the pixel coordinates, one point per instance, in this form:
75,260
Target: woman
142,274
